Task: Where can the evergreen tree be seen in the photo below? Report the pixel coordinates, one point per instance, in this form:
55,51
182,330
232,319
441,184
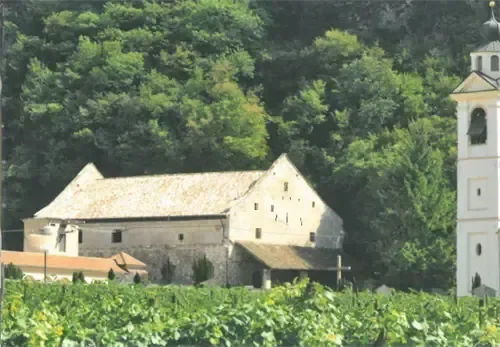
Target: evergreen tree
137,278
81,277
203,270
75,278
111,275
168,271
13,272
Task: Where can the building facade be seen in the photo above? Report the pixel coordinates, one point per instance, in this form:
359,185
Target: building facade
172,220
478,166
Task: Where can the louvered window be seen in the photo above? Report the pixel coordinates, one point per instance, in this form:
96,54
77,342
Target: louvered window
478,128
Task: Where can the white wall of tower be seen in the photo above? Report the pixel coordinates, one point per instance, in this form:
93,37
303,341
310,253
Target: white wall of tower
484,62
478,208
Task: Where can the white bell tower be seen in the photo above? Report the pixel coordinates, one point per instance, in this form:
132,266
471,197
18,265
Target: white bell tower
478,166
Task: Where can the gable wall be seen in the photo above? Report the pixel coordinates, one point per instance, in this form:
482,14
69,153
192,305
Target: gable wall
476,84
297,203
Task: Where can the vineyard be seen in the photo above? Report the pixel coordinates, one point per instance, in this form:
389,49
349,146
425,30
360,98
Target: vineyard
35,314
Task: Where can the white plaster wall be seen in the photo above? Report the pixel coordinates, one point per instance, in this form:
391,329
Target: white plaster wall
486,68
474,174
469,234
296,203
37,274
478,167
33,242
138,234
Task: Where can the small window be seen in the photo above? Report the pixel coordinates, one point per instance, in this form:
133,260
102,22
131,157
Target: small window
312,237
116,236
495,66
286,187
272,208
314,204
181,237
287,218
62,243
301,221
80,236
479,249
258,233
479,63
276,218
478,191
478,127
256,206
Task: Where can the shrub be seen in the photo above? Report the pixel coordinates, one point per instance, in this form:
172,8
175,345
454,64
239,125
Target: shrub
13,272
78,277
75,277
137,278
111,275
203,270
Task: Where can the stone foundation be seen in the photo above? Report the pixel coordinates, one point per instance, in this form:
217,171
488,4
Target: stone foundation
232,265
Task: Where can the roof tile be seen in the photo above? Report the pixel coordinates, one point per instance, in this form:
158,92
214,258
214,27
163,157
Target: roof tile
284,257
153,196
60,262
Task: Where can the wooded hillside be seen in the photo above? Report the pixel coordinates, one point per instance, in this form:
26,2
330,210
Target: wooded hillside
355,91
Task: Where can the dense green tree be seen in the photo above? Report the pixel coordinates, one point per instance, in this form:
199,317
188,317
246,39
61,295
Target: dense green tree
355,92
139,88
404,202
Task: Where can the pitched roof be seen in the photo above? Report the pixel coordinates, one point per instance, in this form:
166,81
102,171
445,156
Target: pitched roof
493,46
60,262
152,196
284,257
493,82
123,259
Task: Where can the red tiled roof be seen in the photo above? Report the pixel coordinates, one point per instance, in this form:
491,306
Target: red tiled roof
124,259
61,262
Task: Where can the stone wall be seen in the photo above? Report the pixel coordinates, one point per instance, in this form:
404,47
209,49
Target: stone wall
231,264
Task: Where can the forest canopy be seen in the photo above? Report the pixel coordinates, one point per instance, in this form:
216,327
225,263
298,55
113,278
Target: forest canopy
357,93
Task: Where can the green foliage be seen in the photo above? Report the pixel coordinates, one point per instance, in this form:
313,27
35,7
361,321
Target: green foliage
13,272
111,275
292,315
355,92
203,270
78,277
406,186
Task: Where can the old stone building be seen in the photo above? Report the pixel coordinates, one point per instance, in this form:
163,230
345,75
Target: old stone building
246,223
